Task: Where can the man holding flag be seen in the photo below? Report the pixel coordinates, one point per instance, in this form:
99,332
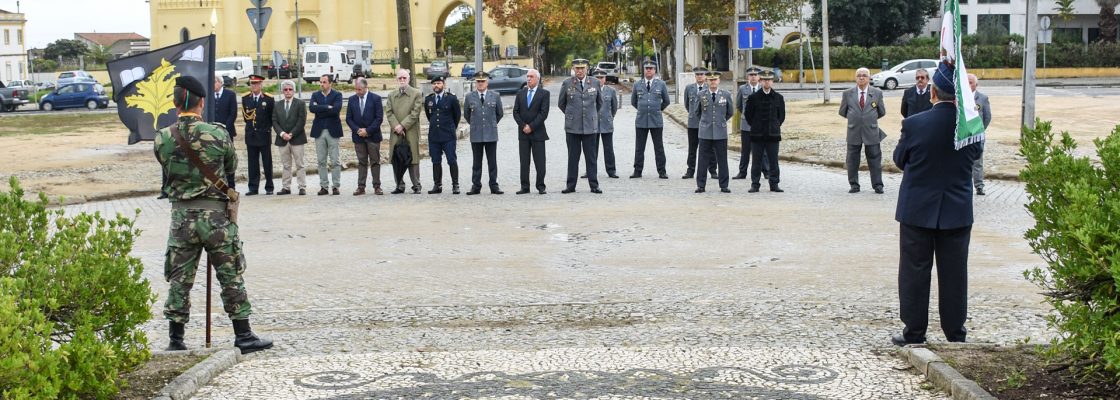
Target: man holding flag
935,199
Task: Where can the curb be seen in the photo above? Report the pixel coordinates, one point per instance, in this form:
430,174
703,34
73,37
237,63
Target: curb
942,375
184,386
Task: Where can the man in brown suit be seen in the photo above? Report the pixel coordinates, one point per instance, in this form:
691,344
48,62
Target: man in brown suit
403,113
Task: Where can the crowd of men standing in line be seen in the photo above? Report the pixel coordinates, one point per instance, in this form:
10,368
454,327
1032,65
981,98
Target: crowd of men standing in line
589,106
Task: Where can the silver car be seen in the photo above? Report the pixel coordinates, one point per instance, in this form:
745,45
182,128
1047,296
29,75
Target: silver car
68,77
610,68
902,75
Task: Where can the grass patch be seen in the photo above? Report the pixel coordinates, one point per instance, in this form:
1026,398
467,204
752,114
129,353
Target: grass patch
46,124
145,382
1021,372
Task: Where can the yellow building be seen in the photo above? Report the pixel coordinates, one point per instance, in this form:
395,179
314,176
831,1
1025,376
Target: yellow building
320,21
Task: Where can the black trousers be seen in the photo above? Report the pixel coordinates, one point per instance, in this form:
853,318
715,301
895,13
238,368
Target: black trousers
760,151
608,151
918,247
260,156
490,148
693,144
745,156
640,150
231,179
531,149
589,146
713,152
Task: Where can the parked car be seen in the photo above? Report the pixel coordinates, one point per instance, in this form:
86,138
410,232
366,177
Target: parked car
902,74
279,68
508,78
233,69
21,84
90,95
45,85
13,97
611,69
68,77
468,70
438,68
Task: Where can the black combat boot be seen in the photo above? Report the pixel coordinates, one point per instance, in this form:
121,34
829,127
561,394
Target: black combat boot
175,332
454,178
246,340
437,177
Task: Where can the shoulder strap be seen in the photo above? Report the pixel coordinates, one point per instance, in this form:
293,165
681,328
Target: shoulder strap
196,161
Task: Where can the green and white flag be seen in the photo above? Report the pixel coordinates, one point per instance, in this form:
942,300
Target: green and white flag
970,127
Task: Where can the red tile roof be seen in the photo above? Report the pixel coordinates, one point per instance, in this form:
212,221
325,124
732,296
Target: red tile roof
108,39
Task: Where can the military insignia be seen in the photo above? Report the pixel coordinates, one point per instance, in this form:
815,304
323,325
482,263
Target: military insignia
591,90
874,105
431,103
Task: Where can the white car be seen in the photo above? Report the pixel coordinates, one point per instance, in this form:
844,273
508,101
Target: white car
902,75
233,69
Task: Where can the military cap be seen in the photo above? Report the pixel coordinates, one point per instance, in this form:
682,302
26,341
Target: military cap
752,71
599,73
649,64
943,78
192,85
436,79
481,76
711,75
699,70
580,63
255,79
767,75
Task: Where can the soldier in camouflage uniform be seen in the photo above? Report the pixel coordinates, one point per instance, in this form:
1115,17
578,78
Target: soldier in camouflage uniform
199,219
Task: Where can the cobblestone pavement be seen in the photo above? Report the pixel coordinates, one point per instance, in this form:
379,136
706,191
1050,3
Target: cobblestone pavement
645,291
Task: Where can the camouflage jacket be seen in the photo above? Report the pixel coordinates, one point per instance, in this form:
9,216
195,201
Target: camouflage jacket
184,181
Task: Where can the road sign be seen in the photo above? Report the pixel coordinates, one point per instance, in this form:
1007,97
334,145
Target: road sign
1045,36
259,3
1044,23
259,23
750,35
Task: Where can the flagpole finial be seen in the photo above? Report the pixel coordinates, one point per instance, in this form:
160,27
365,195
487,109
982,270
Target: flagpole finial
213,20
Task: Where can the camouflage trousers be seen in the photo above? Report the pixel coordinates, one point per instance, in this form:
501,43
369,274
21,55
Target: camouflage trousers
191,231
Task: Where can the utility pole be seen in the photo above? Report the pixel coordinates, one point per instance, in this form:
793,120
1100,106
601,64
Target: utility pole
404,37
478,36
678,50
1029,64
824,31
299,54
257,32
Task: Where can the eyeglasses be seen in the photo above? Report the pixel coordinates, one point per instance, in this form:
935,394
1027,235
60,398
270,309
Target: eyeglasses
402,78
921,78
287,89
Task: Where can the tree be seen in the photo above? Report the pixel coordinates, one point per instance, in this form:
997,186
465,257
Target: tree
458,38
68,49
1108,23
533,19
99,54
874,22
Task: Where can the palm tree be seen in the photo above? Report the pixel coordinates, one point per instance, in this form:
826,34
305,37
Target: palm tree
1108,23
100,54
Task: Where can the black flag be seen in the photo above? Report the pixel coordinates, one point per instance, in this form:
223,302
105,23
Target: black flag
143,85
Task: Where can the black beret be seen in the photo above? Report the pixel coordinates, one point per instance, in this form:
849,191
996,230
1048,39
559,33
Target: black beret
436,78
192,85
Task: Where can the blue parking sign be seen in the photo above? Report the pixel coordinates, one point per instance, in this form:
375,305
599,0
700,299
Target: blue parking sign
750,35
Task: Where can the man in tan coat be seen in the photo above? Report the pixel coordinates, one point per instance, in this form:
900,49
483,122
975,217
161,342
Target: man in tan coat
403,113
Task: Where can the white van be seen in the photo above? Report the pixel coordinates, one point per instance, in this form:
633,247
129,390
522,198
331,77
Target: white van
235,68
359,52
326,59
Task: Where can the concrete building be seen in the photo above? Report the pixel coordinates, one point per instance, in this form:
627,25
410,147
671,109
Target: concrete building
13,57
120,44
320,21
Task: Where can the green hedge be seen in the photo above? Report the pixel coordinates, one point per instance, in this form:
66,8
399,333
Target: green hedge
976,56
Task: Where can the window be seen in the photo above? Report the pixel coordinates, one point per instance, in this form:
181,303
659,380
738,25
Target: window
19,37
928,64
184,35
993,24
66,89
964,25
324,57
499,73
66,75
7,36
1067,35
310,58
909,67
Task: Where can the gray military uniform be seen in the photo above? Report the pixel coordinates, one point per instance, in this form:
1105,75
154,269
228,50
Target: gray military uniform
985,108
713,110
649,102
581,102
741,104
483,117
606,126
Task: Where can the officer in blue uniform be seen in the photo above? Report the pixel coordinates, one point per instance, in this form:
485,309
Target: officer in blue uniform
443,112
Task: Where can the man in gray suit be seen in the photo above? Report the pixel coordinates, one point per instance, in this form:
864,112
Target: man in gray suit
483,110
713,109
985,108
580,102
745,91
693,127
863,105
606,121
650,96
289,117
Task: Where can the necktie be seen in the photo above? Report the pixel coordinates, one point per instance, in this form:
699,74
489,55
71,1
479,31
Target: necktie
861,99
482,97
529,100
581,85
257,99
287,105
647,87
439,97
362,105
217,96
713,96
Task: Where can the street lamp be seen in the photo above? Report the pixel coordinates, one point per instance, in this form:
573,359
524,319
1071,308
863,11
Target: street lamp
642,54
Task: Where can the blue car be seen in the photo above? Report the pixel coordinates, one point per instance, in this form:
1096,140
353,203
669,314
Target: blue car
85,94
468,70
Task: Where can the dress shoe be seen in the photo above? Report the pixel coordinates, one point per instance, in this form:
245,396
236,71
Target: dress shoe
878,190
853,190
776,189
474,191
496,191
378,191
334,191
397,191
979,191
687,175
360,191
416,190
568,190
635,176
268,193
323,192
899,340
725,190
436,190
740,176
284,192
699,190
663,176
753,189
583,177
303,192
542,191
454,189
523,191
251,193
161,196
613,176
596,191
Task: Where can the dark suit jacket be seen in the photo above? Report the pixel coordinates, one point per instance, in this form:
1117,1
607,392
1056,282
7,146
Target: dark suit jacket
912,103
225,111
326,109
766,114
531,114
258,119
370,119
443,117
292,121
936,191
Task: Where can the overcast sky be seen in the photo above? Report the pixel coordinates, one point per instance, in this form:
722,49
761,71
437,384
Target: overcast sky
50,20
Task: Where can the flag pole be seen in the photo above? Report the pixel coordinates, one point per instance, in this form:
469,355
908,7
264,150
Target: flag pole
209,279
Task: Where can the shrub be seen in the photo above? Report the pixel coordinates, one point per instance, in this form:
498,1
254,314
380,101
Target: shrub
1076,206
977,56
72,300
